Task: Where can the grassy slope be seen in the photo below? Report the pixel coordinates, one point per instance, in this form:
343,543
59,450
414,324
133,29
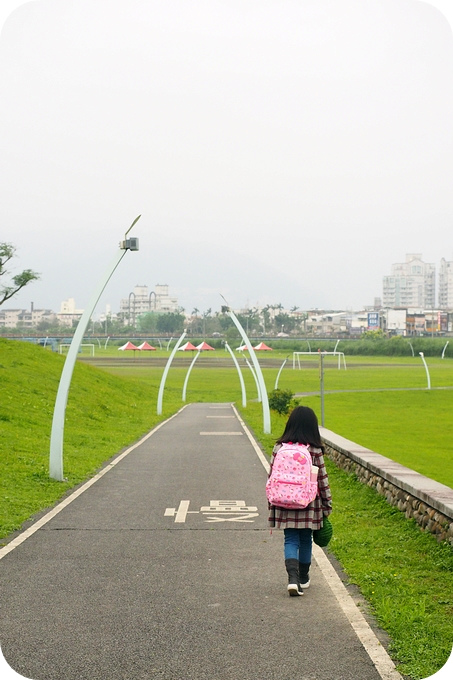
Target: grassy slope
104,414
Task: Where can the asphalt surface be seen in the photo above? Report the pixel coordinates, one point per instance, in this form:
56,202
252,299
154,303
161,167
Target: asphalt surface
164,568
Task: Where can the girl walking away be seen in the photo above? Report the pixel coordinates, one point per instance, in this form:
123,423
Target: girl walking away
298,524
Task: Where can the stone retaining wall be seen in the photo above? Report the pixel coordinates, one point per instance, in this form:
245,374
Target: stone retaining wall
429,503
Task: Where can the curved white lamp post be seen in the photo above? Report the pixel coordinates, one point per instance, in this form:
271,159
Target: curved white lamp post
321,384
259,374
57,433
426,369
278,374
258,389
165,373
241,379
187,375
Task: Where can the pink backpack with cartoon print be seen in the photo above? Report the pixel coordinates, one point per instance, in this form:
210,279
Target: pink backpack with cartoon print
293,482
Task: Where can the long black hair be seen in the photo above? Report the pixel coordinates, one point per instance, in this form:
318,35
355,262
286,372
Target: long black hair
301,428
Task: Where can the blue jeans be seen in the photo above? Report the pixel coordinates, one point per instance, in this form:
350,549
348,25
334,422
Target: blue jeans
298,544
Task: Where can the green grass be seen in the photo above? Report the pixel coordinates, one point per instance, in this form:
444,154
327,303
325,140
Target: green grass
409,427
104,414
405,576
367,373
403,573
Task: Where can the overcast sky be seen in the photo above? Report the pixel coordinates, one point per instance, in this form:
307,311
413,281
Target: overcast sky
278,151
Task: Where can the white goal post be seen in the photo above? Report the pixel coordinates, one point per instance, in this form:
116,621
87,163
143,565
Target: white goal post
339,354
82,345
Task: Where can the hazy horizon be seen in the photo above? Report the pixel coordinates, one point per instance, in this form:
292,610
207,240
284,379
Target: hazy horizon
281,152
187,309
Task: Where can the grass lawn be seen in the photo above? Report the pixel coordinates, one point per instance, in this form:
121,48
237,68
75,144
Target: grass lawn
403,573
409,426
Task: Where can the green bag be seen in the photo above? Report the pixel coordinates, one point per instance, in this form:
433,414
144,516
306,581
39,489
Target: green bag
323,535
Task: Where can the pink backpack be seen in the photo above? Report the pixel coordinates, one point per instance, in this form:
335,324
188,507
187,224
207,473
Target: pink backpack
293,482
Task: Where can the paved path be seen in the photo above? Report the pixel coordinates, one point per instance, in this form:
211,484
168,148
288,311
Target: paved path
164,568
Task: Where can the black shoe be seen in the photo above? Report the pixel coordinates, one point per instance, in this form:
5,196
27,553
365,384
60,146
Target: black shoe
292,568
304,579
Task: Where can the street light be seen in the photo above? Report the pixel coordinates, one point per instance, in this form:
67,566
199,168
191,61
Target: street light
241,379
56,437
426,369
321,384
259,375
133,315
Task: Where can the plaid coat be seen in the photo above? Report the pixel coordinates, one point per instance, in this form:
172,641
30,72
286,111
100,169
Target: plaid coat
310,517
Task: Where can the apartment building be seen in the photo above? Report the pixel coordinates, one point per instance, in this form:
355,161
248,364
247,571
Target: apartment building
446,285
69,315
142,301
25,318
411,284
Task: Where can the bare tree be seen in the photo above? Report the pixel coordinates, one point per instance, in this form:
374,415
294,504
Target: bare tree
7,252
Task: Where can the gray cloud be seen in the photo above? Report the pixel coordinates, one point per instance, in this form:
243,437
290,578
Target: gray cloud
286,149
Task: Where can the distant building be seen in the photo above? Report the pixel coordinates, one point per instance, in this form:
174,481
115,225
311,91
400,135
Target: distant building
358,322
23,318
325,323
68,313
141,301
446,285
396,321
415,322
411,284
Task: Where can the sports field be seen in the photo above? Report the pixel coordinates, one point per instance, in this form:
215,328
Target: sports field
382,403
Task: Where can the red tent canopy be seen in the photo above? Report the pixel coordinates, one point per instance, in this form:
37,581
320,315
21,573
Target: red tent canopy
186,347
146,345
262,346
204,345
128,345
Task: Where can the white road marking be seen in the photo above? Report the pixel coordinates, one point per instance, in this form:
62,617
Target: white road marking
219,416
181,513
222,433
228,506
237,510
382,661
238,518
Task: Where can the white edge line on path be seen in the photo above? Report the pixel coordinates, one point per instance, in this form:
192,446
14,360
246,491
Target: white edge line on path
378,655
48,516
